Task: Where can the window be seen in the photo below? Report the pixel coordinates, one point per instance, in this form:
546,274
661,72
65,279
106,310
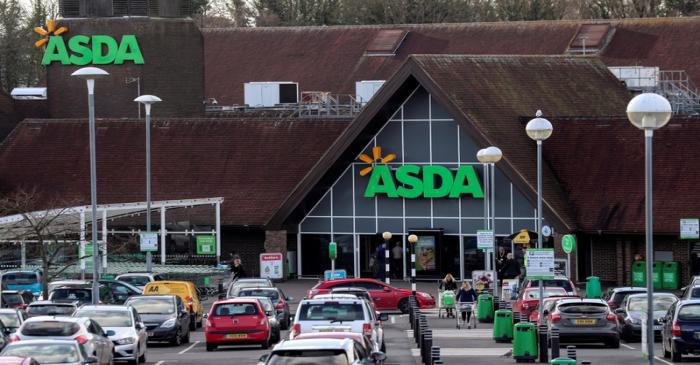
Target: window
332,311
107,318
20,278
45,353
146,305
10,320
583,308
370,286
236,309
51,310
690,312
272,294
326,357
50,328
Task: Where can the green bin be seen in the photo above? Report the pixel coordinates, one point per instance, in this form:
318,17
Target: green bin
484,308
656,274
503,325
524,342
562,361
639,273
593,290
671,275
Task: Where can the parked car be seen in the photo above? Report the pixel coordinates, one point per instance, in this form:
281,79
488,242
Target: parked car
84,331
615,296
13,299
4,338
585,320
558,281
237,321
165,316
54,352
116,292
339,315
22,280
385,297
139,279
186,291
278,298
318,351
691,292
241,283
49,308
680,328
528,300
634,308
12,319
123,327
272,316
367,346
361,293
548,304
17,360
81,295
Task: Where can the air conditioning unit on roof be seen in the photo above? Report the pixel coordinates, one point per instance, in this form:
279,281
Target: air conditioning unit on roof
272,93
365,90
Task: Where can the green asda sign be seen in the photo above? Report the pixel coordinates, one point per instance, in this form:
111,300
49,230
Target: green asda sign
428,181
97,50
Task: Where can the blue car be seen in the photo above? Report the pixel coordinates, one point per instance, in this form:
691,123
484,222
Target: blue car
680,334
23,280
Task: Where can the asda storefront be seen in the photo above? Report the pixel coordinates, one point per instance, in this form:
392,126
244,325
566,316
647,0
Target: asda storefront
419,174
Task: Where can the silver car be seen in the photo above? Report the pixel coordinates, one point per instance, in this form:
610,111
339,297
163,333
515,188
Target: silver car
123,327
272,317
64,352
584,320
12,319
85,331
239,284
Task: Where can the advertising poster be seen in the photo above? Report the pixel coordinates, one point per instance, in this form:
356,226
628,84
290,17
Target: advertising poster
482,281
509,289
271,265
425,253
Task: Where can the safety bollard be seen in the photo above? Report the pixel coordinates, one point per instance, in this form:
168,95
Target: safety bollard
516,317
428,347
544,349
434,354
421,346
555,342
571,352
438,362
585,363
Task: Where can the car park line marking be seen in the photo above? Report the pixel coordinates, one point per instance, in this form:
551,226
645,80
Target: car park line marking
663,361
448,352
188,349
160,362
627,346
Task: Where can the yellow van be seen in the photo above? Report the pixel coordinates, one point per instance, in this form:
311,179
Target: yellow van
183,289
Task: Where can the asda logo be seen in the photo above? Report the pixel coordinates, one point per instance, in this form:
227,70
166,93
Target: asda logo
413,181
81,50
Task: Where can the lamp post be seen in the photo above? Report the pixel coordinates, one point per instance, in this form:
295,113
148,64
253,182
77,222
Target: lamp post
90,74
412,239
491,155
539,129
649,111
387,268
147,101
481,156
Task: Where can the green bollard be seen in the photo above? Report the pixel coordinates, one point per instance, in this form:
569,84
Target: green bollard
525,342
484,308
503,326
562,361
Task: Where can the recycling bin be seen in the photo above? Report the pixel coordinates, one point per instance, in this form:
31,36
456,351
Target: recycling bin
670,275
524,342
503,325
657,268
639,273
593,289
484,308
562,361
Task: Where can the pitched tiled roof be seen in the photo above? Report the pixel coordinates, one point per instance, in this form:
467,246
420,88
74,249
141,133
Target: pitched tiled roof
334,58
253,162
8,115
600,163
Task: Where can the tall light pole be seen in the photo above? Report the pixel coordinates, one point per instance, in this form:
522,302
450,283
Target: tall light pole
481,156
649,111
387,268
90,74
147,101
491,155
539,129
412,240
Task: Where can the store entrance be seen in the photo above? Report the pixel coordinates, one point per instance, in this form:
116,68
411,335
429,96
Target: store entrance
370,260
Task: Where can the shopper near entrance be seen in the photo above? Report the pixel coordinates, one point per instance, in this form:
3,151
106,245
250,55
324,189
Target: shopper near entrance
466,294
396,257
500,258
237,270
448,283
510,268
380,256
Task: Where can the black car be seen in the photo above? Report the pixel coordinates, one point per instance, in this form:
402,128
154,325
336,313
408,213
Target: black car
165,317
680,333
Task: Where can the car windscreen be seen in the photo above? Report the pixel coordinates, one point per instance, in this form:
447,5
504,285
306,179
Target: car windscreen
266,304
272,294
358,293
331,311
135,280
45,353
689,312
235,309
619,297
10,320
83,295
695,293
583,308
153,305
306,357
106,318
548,292
659,303
50,310
20,278
11,298
50,328
556,283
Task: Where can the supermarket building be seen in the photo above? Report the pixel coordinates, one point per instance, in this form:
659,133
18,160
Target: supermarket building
296,176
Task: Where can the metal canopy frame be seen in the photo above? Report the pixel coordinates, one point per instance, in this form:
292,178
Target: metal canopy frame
75,218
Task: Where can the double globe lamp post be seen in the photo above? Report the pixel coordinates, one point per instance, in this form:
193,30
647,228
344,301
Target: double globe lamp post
489,156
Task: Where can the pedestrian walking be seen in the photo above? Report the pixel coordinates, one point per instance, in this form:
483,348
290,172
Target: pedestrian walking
466,294
449,286
510,268
237,270
396,259
381,261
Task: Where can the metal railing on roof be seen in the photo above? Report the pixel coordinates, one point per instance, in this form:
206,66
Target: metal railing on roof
313,104
674,85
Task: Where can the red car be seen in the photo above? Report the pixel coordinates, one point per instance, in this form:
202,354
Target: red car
385,297
548,304
237,321
529,298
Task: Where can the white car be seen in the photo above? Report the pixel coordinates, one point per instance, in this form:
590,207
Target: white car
139,279
123,326
339,315
319,351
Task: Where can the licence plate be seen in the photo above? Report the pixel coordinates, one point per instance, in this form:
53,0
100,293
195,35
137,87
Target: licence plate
657,327
327,329
582,322
149,334
236,335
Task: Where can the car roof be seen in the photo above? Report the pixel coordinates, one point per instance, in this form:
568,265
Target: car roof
236,300
644,295
10,292
352,288
157,296
315,344
536,288
331,335
169,282
583,300
138,274
45,342
9,310
49,302
241,280
629,288
340,300
258,288
78,320
335,296
119,308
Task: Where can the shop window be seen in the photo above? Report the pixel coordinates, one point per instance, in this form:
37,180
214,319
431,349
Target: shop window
437,111
444,137
416,143
416,107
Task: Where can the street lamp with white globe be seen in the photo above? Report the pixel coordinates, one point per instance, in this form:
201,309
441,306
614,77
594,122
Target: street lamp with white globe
649,111
489,156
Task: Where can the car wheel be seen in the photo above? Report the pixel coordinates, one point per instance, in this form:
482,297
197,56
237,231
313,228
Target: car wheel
675,356
186,339
614,344
133,362
200,323
177,340
403,305
142,358
211,347
266,345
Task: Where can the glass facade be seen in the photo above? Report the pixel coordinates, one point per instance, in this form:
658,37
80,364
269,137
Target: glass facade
420,133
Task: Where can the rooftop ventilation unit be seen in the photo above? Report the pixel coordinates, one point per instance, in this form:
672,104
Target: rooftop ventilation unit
272,93
365,90
118,8
29,93
637,77
591,38
386,42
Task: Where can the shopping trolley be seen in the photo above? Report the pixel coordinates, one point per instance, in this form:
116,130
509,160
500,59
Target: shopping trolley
465,307
446,300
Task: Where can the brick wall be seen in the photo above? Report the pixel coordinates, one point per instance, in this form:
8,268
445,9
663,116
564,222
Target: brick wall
604,263
173,70
248,244
276,241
